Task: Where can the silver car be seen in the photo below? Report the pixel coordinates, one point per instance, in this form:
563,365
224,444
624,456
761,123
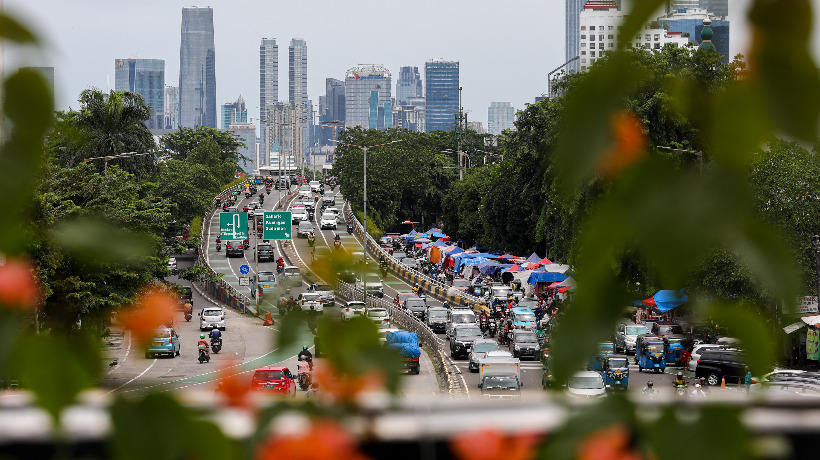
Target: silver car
210,317
480,349
626,335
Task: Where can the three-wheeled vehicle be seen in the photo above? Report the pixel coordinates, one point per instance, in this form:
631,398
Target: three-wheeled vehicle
596,362
674,348
616,371
650,353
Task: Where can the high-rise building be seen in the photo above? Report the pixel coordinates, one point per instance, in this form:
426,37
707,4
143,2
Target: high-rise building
171,107
145,77
197,69
500,116
408,85
297,90
331,111
476,126
441,82
361,107
247,134
47,74
573,12
285,134
234,112
719,8
268,88
688,25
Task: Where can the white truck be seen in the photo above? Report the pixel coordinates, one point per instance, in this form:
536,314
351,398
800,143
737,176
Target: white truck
499,376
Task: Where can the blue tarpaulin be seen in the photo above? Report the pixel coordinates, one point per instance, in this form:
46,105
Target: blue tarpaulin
490,268
438,235
666,300
407,343
533,258
440,244
544,277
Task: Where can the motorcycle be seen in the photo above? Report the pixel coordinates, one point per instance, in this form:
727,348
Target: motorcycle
203,353
246,243
279,268
216,345
188,315
349,227
311,239
337,244
492,327
484,324
680,390
218,247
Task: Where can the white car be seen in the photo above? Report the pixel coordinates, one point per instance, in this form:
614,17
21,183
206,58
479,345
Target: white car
298,214
310,301
328,221
587,385
210,317
379,316
315,185
172,263
334,211
352,309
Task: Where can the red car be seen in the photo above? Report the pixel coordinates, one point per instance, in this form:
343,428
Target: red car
275,379
401,297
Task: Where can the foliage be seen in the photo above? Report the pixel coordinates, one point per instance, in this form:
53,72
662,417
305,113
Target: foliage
104,126
190,187
187,141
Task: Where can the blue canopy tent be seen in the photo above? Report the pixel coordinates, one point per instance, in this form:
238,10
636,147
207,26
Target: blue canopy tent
666,300
438,235
490,268
545,277
440,244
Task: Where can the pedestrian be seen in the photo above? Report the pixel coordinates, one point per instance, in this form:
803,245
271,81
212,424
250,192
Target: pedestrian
748,380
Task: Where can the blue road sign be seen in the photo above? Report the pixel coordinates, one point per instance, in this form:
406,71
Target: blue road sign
244,269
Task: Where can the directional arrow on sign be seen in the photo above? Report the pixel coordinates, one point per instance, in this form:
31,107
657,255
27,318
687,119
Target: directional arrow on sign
244,269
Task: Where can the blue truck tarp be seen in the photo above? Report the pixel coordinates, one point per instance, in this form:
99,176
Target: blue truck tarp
405,342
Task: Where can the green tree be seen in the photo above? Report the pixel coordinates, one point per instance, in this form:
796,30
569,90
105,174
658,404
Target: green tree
189,186
185,141
104,126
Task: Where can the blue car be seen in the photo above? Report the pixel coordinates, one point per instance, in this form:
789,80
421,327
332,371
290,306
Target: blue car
523,318
165,342
615,372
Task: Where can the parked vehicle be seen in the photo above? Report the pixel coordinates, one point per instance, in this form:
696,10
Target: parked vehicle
407,344
626,335
615,372
716,364
650,353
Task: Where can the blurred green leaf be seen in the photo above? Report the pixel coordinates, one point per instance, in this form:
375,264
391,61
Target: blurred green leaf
716,429
11,29
783,65
739,127
162,426
56,368
11,327
290,326
637,19
97,243
747,325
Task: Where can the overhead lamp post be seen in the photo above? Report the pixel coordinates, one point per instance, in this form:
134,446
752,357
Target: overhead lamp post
365,149
114,157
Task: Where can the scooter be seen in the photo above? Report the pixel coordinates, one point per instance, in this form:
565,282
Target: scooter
188,315
349,227
311,239
203,353
216,345
218,247
337,244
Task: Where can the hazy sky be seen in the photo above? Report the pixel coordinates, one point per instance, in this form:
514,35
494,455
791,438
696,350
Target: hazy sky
505,48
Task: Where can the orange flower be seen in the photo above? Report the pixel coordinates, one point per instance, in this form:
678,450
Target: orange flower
18,284
492,444
344,388
629,144
154,308
234,388
324,441
611,443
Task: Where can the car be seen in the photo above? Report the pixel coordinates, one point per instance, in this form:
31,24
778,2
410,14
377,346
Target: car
399,255
523,318
274,379
498,292
460,286
352,309
304,229
281,184
698,350
266,280
402,297
315,185
462,340
716,364
234,248
210,317
379,316
328,221
232,209
325,292
258,213
164,342
586,384
264,252
328,199
417,306
626,335
172,263
457,318
335,211
292,275
373,285
298,214
479,350
310,302
410,263
524,344
436,319
186,295
664,328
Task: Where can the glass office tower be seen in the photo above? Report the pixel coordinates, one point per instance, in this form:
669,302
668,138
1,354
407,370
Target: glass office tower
441,81
197,69
145,77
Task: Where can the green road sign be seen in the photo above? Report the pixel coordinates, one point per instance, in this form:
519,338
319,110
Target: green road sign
233,226
277,226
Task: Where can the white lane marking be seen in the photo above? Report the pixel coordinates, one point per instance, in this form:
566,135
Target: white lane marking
127,351
135,378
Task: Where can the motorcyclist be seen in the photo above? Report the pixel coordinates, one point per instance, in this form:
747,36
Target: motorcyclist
306,355
304,367
649,389
203,342
698,391
291,304
416,288
215,334
679,381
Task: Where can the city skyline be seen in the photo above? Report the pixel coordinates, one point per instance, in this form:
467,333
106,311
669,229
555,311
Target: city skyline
72,32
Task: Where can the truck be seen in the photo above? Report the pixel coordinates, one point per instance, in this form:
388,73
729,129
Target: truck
499,377
407,344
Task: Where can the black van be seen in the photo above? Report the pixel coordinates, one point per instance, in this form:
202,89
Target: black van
716,364
264,252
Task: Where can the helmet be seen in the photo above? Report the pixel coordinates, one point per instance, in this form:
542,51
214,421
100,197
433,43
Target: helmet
697,385
214,327
417,284
702,380
304,348
650,384
680,375
201,336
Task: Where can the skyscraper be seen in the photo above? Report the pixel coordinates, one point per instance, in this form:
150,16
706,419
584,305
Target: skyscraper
441,81
197,69
572,32
171,107
331,111
247,134
145,77
408,85
297,90
500,116
360,83
268,89
234,112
